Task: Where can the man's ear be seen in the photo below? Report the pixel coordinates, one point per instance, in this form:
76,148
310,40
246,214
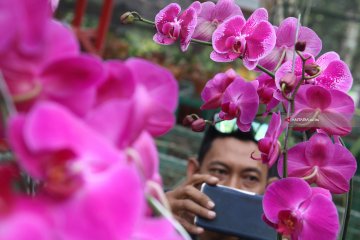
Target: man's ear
271,180
193,167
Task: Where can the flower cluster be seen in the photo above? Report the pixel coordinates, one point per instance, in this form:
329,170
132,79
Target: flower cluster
312,90
82,129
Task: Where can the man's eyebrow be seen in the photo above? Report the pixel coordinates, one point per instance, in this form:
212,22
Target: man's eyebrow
218,163
252,169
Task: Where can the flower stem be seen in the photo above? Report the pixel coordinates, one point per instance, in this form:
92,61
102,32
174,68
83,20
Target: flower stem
347,212
346,218
201,42
141,19
268,72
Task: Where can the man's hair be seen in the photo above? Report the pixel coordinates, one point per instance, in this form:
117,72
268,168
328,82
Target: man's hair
211,134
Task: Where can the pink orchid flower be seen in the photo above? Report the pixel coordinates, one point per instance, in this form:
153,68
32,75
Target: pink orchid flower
31,216
212,15
285,40
320,161
112,200
160,88
269,146
317,107
48,78
300,212
334,73
214,89
22,27
266,91
250,40
240,101
171,25
53,145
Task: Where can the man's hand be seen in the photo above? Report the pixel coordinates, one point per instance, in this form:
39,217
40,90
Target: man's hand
186,201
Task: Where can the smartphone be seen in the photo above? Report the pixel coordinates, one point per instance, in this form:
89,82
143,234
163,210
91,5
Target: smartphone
238,213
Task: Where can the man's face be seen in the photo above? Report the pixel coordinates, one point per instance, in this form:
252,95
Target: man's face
229,160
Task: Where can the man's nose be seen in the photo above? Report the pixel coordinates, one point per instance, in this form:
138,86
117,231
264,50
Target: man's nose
234,182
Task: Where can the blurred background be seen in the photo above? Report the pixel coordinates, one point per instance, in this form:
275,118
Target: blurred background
97,24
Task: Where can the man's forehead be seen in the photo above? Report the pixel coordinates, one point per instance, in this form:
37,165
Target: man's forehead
233,151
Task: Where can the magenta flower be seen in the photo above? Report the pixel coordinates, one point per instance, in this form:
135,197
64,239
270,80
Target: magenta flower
112,200
298,211
214,89
53,145
160,88
334,73
240,101
250,40
171,25
29,215
317,107
24,27
285,40
266,91
270,146
320,161
212,15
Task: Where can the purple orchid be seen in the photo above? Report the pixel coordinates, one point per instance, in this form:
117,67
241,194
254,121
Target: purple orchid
298,211
171,25
250,40
332,72
320,161
285,41
53,145
240,101
160,88
214,89
266,91
269,146
212,15
317,107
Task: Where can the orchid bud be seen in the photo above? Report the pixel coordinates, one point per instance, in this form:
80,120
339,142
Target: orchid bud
127,18
300,46
198,125
312,69
188,120
289,80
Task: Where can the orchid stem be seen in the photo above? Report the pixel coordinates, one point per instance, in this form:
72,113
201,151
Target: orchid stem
347,212
291,105
268,72
279,237
201,42
141,19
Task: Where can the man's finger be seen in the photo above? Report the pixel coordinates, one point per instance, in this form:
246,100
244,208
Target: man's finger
197,179
191,228
190,206
194,194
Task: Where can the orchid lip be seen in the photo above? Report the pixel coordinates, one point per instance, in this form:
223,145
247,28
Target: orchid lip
33,93
312,174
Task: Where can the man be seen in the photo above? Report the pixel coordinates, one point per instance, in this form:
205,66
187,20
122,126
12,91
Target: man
224,158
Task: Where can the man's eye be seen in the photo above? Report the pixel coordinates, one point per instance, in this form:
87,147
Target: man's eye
218,171
252,179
